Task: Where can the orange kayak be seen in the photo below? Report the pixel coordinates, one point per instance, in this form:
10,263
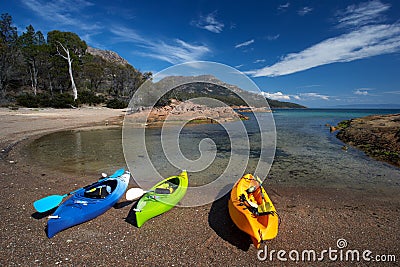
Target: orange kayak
252,211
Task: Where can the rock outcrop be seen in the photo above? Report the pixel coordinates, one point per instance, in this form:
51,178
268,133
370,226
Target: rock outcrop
185,111
107,55
377,135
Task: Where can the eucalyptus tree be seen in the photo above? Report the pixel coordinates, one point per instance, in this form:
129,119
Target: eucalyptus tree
71,48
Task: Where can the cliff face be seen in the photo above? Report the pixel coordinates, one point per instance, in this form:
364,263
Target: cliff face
377,136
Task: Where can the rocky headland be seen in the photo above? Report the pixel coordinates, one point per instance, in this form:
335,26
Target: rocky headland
377,135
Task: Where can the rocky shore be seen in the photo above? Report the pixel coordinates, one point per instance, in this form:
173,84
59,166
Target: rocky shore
188,111
377,135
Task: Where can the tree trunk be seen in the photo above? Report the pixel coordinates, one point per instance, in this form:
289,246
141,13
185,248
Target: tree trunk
33,72
74,90
68,58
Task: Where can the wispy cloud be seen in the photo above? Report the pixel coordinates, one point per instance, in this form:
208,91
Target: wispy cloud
393,92
283,7
304,11
362,14
209,23
259,61
63,12
273,37
173,51
313,96
362,42
245,43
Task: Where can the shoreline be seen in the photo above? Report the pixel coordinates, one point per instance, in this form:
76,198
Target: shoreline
312,218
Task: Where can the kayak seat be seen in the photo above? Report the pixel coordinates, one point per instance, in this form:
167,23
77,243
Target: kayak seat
102,190
167,187
163,191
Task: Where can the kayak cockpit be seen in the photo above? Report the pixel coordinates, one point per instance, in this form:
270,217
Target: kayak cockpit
101,190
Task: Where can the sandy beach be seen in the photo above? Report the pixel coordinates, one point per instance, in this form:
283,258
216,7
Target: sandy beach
311,218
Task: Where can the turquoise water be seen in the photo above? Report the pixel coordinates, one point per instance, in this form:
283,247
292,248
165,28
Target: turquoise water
307,154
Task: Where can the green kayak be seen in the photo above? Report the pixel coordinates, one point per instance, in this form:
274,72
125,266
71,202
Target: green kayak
161,198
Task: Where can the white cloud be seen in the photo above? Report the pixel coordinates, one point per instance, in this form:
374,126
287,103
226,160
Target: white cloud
366,40
174,51
245,43
301,96
313,96
304,11
276,96
259,61
362,91
362,14
283,7
209,23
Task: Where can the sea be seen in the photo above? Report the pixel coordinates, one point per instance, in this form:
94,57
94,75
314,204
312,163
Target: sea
305,152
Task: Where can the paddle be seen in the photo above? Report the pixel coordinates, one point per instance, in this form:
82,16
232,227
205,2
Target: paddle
50,202
135,193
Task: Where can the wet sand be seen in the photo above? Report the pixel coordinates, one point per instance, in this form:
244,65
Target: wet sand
311,218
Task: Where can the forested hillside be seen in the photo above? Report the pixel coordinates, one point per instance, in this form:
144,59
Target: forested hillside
57,70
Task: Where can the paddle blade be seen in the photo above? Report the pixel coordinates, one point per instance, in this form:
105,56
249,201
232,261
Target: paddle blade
134,193
118,173
47,203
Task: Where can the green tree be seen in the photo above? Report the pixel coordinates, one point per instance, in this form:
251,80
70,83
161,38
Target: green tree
32,46
93,71
8,52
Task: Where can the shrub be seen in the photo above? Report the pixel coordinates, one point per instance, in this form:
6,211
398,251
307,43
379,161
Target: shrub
27,100
116,103
88,97
63,101
45,100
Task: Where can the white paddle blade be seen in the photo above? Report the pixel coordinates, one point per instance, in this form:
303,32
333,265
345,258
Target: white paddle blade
134,193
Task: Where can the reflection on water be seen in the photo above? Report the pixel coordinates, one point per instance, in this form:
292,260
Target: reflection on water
79,151
307,154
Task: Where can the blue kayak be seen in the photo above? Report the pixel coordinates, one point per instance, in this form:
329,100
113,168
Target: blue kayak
87,203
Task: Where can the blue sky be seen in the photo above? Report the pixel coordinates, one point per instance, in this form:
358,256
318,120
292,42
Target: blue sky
316,53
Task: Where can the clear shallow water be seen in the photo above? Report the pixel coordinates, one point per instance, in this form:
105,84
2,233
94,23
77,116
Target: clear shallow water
307,153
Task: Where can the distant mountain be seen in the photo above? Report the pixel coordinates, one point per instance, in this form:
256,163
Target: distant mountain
107,55
214,88
282,104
